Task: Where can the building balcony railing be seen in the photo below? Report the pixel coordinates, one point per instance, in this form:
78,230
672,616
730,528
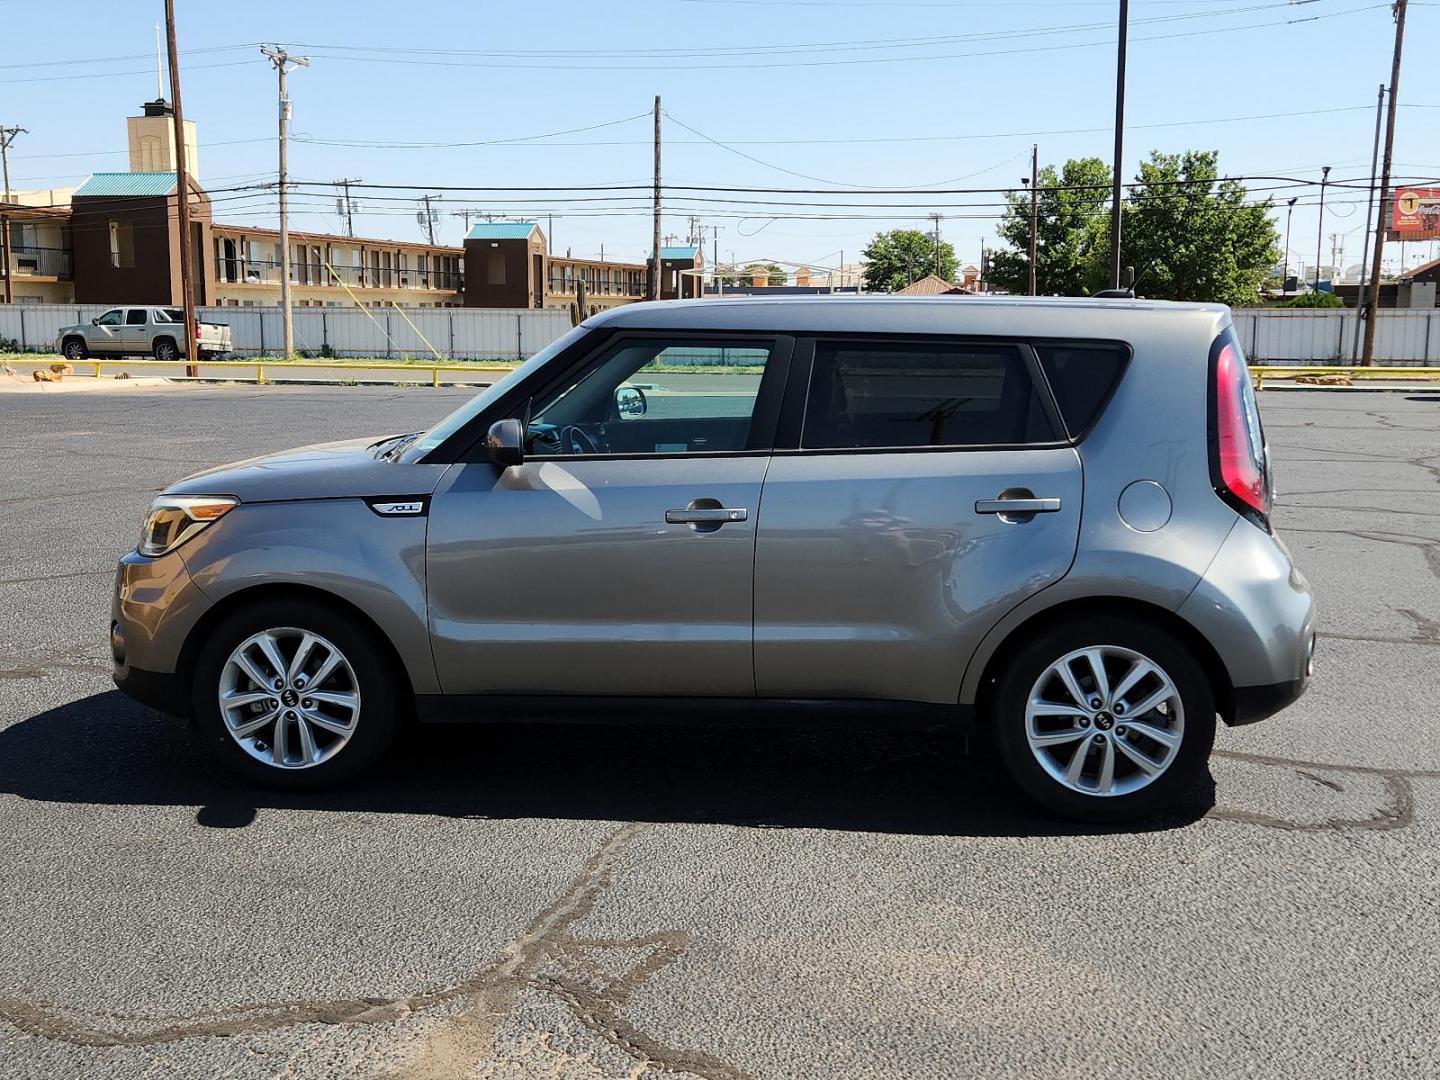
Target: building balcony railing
267,272
561,285
40,262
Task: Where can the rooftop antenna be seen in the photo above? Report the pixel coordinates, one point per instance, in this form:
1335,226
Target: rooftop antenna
159,52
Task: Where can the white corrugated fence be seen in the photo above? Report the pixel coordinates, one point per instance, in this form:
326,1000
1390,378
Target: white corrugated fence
455,333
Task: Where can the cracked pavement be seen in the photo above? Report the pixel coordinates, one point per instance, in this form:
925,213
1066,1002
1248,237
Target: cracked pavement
592,902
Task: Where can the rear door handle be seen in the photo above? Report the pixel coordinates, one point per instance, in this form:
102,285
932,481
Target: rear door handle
1017,506
719,515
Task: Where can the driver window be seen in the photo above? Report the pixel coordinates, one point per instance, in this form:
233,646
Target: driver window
110,318
653,396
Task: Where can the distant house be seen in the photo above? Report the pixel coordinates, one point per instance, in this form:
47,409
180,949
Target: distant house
932,285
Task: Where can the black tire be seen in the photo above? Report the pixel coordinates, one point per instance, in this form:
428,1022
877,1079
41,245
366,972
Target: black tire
1197,700
74,349
374,676
165,349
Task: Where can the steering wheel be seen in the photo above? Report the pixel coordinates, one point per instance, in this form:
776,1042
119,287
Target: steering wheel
575,440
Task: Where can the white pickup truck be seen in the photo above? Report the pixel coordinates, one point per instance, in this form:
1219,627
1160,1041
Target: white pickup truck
141,331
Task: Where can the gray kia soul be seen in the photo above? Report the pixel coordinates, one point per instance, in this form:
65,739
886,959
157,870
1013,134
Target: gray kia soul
1045,520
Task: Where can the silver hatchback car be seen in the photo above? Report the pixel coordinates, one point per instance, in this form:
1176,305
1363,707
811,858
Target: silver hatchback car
1045,520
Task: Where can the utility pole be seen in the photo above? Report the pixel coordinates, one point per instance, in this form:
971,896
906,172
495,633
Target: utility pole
182,197
1320,229
1035,209
1119,144
936,218
654,289
1369,209
429,217
1368,356
715,258
1285,270
281,61
7,136
345,204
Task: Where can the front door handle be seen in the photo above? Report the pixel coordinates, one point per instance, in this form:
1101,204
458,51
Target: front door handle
1029,505
716,515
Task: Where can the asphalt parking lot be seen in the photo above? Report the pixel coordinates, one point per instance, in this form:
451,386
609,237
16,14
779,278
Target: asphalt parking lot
606,902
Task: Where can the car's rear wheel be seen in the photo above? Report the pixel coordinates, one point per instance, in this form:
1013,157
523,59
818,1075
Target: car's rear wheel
165,349
75,349
1104,719
295,696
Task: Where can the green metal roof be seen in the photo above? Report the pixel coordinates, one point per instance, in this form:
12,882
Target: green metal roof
677,252
501,230
127,183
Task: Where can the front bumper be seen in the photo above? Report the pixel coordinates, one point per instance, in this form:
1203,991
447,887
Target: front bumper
155,607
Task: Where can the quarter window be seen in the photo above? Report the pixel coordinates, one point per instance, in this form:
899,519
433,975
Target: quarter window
1081,377
867,395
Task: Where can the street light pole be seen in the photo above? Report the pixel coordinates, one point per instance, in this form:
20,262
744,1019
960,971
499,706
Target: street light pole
1119,144
281,60
1320,229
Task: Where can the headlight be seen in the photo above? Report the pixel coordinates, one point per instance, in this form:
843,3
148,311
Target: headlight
173,519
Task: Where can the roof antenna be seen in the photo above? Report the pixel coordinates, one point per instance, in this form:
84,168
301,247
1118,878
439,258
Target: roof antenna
159,86
1126,293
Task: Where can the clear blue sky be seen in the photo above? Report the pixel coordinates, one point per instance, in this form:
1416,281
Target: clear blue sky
882,93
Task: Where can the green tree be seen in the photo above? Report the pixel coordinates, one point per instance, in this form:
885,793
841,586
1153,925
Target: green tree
896,258
1191,235
1070,232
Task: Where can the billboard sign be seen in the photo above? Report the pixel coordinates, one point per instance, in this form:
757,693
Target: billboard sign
1415,214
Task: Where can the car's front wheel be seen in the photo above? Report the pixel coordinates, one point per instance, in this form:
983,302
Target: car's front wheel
75,349
293,695
1104,719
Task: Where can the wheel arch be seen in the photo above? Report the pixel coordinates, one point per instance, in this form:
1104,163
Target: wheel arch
258,594
68,338
1117,607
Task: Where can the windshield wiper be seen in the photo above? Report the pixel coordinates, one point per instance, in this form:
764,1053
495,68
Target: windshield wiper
397,444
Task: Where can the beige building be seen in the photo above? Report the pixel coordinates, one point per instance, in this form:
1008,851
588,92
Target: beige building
151,137
332,271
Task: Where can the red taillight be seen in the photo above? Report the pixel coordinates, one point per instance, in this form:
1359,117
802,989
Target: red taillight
197,329
1240,446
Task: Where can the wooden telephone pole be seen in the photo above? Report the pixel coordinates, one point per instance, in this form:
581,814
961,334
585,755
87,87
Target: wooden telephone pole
182,198
1034,211
654,290
1367,357
7,136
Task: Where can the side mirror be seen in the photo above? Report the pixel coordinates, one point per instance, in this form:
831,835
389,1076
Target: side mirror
505,443
630,402
95,321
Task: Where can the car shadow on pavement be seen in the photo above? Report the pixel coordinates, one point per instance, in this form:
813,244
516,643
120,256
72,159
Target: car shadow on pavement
107,749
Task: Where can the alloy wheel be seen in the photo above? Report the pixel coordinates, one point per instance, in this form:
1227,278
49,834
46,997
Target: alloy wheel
1104,720
289,698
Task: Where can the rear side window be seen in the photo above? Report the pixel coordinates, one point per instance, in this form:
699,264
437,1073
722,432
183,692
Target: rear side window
135,317
869,395
1081,377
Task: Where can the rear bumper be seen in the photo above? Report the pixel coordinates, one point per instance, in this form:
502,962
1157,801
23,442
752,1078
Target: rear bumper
1257,612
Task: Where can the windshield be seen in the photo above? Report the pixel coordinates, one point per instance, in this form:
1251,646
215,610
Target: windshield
481,401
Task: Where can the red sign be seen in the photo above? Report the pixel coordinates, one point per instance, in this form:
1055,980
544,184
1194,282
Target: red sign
1416,214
